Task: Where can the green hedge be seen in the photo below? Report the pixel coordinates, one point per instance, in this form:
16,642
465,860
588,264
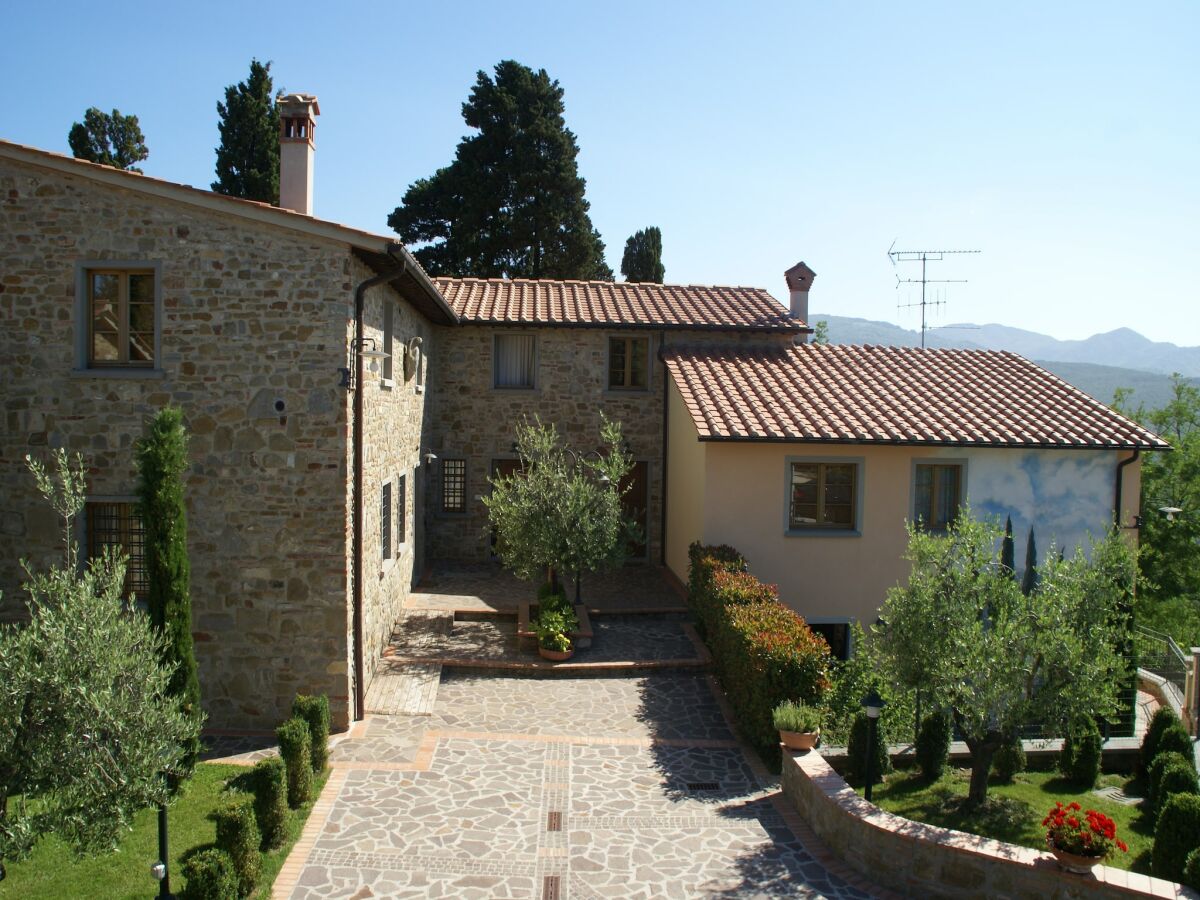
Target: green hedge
210,876
238,836
1176,835
270,800
295,746
1164,717
315,711
763,652
933,745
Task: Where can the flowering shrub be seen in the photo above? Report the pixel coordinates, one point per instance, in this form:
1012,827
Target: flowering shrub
1093,834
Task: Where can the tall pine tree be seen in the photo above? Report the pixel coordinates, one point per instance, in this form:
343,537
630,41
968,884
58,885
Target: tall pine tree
248,155
643,256
1029,582
111,140
511,204
161,461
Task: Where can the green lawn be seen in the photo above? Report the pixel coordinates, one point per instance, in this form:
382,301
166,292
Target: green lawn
52,872
1014,812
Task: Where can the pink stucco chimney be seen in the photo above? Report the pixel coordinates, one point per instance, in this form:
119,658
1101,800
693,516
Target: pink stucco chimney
799,280
297,114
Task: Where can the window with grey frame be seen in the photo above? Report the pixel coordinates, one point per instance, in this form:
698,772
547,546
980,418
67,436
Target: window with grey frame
628,363
514,361
121,311
937,494
823,496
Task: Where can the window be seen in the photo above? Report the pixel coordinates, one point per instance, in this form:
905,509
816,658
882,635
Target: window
823,495
387,339
454,485
385,521
937,493
122,312
401,508
117,525
628,361
515,360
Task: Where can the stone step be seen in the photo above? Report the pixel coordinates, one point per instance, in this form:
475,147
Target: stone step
404,689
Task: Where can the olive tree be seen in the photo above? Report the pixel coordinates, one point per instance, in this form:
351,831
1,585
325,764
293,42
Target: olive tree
561,512
88,729
998,659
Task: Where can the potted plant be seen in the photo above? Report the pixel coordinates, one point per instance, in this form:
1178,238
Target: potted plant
1080,838
799,725
553,630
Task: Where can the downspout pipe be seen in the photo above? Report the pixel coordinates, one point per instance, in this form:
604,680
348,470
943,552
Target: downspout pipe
1121,484
666,399
360,297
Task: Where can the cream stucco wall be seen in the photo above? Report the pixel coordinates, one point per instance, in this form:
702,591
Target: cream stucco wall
1065,494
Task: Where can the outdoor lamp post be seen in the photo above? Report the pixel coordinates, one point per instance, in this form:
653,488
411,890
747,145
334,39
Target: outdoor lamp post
873,704
159,869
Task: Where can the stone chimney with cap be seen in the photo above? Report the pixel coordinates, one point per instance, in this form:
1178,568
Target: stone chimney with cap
297,115
799,280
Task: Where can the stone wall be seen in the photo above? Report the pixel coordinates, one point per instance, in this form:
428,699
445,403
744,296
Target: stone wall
476,422
919,860
253,316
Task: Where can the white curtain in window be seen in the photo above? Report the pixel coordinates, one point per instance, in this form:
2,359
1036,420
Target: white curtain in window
515,354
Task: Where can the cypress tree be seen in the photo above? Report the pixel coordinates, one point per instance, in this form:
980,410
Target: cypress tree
1007,551
643,256
248,155
161,461
511,204
1029,582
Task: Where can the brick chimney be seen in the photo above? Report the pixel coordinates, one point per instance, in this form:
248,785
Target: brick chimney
799,280
297,113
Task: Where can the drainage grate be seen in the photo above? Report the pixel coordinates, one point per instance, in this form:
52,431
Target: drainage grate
704,785
554,821
550,887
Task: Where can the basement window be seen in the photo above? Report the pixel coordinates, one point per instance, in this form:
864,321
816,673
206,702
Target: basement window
116,526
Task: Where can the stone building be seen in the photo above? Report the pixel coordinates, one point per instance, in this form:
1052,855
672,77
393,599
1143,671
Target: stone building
346,411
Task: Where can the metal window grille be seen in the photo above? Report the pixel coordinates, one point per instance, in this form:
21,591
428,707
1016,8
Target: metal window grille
118,526
385,521
401,509
454,485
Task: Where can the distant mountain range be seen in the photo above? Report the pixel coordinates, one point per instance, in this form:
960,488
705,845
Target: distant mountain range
1098,365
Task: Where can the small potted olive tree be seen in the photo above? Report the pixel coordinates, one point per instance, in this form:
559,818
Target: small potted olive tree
799,725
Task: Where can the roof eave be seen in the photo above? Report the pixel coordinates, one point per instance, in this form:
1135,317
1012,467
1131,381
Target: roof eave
1006,445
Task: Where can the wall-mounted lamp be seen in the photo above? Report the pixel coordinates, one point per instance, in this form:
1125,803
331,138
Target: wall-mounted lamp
430,458
366,349
1170,512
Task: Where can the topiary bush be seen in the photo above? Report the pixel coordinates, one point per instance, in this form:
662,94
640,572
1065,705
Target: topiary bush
271,800
1177,778
859,746
238,835
1191,870
1154,776
1176,835
1009,759
315,711
209,875
763,652
295,746
1081,753
1164,717
933,745
1175,739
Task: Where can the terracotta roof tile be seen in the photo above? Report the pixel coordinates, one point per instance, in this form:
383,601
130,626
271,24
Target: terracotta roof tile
607,303
838,393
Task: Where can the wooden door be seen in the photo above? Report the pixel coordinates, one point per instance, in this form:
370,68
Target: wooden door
634,503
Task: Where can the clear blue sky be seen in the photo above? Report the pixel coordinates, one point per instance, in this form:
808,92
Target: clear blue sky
1061,139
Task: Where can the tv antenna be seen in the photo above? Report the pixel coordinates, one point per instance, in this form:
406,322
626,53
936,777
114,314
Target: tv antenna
923,256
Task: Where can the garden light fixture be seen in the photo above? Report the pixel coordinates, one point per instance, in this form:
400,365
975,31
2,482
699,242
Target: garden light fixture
874,705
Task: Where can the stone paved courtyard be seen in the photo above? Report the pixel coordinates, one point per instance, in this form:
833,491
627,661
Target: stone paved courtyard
525,787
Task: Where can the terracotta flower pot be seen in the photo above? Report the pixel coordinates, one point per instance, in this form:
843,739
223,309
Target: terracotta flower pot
799,740
1073,862
555,655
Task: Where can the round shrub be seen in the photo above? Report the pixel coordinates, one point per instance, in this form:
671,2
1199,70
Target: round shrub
271,800
315,711
1175,739
295,746
933,745
1179,778
238,835
1191,870
210,876
859,746
1009,759
1154,776
1081,753
1164,717
1176,835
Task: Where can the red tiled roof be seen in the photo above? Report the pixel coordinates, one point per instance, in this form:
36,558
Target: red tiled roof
607,303
835,393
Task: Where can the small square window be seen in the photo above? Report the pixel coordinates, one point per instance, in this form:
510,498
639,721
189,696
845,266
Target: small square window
121,310
515,362
823,495
628,363
937,495
454,485
117,525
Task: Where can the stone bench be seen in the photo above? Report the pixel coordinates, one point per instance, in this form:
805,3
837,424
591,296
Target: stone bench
526,612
